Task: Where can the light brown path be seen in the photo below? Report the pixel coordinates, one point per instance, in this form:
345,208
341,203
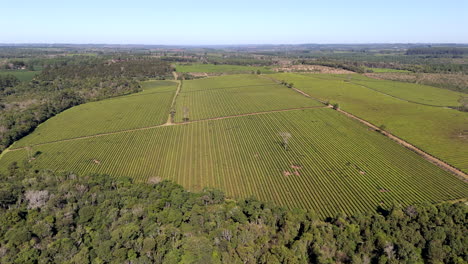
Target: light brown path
164,125
179,86
440,163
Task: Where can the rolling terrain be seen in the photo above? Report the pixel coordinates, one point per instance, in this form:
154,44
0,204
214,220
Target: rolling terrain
231,139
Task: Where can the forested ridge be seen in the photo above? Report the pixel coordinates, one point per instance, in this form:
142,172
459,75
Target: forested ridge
67,218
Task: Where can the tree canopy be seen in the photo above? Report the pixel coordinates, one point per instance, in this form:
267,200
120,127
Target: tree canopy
65,218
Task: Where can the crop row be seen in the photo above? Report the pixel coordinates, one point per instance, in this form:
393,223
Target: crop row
438,131
333,164
208,98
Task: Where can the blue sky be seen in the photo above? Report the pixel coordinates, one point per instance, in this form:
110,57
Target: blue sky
233,22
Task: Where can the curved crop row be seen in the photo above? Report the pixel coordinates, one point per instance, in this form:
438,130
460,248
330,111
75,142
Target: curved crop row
148,108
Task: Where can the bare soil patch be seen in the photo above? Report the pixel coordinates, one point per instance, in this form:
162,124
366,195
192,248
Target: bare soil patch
311,69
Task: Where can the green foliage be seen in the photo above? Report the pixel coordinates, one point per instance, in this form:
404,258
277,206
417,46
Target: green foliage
8,80
212,232
146,68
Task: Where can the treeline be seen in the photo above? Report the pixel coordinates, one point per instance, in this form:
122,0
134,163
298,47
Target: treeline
179,59
437,51
361,66
130,68
241,60
64,218
350,66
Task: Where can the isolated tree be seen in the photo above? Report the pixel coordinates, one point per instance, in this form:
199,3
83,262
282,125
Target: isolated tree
382,128
285,136
336,106
172,113
186,113
259,72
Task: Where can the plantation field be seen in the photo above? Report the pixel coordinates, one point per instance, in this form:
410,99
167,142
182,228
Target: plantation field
417,93
334,164
220,68
148,108
439,131
234,95
22,75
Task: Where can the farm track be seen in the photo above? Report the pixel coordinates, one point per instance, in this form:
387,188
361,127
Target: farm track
166,124
297,90
438,162
179,87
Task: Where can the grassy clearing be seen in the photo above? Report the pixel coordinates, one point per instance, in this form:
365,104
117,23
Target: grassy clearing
22,75
439,131
333,164
150,106
220,68
234,95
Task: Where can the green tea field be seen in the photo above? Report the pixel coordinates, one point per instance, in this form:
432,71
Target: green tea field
108,115
235,95
234,141
440,131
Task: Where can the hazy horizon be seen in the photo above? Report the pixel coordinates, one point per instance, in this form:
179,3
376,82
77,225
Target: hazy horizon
202,23
233,44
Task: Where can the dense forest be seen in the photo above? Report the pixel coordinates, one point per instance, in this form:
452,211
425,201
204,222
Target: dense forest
143,68
8,81
67,218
